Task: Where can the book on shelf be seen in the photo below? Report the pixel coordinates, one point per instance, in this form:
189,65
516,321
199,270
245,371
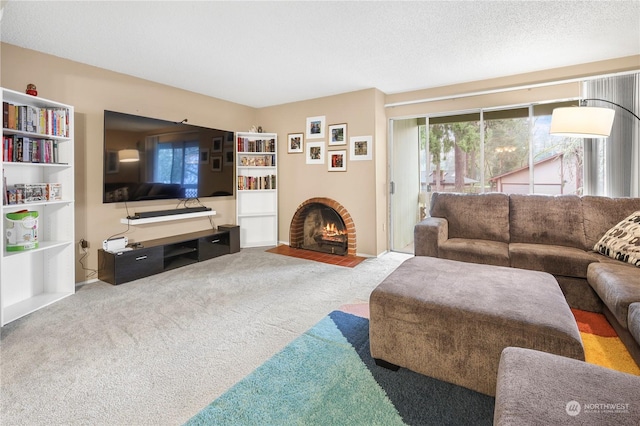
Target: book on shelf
5,195
256,182
31,119
258,160
256,145
29,150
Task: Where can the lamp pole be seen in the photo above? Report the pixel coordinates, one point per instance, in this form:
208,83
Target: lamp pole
583,102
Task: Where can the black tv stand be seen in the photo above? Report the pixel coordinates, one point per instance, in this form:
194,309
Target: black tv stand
163,254
170,212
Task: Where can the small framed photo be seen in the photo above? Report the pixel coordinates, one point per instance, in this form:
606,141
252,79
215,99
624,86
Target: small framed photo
315,127
228,157
361,148
216,144
112,163
295,142
315,152
337,134
204,156
337,160
216,164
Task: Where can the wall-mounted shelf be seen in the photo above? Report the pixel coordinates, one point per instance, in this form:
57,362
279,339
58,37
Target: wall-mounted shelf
167,218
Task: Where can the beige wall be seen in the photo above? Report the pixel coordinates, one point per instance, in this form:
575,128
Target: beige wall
362,189
91,90
505,89
357,189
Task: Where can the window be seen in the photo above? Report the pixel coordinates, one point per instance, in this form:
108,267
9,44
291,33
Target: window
507,150
178,162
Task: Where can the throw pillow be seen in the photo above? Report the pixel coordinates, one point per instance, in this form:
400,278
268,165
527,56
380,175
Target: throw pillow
622,242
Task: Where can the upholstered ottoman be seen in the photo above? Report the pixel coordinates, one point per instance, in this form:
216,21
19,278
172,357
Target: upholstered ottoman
451,320
544,389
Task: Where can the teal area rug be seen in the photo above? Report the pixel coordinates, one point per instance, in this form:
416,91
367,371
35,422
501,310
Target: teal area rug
327,377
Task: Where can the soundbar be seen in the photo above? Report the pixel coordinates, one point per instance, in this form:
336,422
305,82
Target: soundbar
158,213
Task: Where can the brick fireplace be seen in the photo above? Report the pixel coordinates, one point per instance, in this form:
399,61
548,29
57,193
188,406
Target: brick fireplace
321,209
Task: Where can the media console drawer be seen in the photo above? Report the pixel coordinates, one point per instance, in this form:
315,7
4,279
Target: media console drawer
125,266
213,246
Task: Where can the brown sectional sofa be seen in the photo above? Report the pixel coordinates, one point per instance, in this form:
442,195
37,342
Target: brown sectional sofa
554,234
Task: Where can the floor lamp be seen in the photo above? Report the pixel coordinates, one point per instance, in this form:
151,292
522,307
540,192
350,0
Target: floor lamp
584,121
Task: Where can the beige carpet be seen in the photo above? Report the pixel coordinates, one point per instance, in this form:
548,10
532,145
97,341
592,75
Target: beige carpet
157,350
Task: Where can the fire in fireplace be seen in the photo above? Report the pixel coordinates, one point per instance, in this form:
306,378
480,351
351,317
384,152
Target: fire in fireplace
324,230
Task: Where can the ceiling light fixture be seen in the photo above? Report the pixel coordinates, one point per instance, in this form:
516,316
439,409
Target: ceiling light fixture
584,121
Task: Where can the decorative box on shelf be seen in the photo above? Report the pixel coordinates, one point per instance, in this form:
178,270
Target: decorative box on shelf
54,191
30,192
34,192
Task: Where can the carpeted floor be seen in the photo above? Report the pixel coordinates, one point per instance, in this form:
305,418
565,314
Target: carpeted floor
156,350
327,376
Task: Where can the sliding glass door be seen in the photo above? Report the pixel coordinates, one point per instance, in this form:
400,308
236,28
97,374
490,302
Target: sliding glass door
505,150
405,182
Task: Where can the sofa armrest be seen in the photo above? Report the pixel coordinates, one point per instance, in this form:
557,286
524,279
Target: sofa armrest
429,234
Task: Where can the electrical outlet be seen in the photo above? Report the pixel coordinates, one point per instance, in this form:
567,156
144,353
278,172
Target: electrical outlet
84,243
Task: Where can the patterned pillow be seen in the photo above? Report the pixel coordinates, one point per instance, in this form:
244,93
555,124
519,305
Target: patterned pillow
622,242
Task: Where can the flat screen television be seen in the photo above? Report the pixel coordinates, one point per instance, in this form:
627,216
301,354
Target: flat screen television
151,159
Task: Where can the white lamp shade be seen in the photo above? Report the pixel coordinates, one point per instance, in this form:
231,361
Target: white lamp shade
582,122
128,155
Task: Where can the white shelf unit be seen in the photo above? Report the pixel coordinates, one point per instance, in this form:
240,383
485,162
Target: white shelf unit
32,279
257,188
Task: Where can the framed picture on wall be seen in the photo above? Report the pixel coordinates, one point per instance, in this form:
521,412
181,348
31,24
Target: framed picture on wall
315,152
315,127
337,134
337,160
216,144
295,142
204,156
228,158
112,163
216,164
361,148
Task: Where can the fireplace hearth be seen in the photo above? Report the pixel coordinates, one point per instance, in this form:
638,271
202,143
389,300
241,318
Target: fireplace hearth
323,225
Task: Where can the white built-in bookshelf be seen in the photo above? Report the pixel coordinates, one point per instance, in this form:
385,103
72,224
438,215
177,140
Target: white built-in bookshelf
37,138
257,188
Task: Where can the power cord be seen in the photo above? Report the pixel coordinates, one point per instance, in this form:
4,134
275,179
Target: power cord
85,253
128,223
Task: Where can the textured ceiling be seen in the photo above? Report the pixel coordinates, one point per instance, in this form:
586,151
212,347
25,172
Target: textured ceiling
268,53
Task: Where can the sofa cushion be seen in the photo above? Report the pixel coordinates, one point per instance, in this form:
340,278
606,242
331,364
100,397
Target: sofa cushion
618,285
475,251
428,234
556,260
473,216
622,242
547,219
633,321
539,388
601,213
